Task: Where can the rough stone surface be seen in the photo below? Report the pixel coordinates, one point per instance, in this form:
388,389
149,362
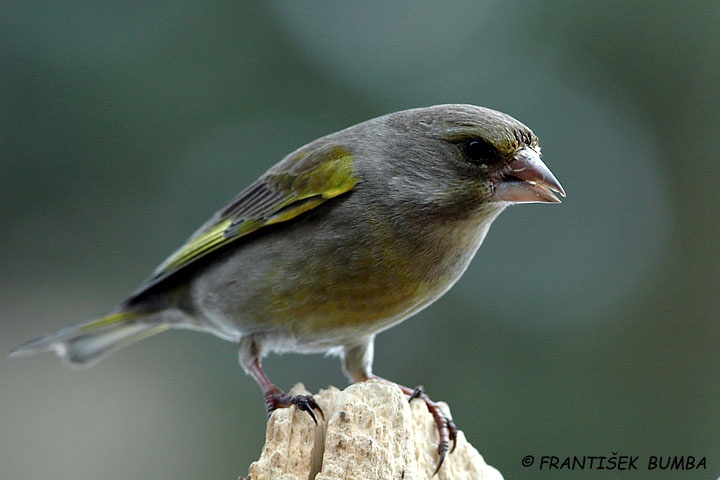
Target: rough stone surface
370,431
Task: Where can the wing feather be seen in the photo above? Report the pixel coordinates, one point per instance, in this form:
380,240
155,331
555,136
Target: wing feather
299,183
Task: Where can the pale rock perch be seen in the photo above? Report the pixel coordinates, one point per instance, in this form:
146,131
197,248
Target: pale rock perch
371,432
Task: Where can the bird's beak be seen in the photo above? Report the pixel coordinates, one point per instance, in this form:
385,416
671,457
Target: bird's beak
527,180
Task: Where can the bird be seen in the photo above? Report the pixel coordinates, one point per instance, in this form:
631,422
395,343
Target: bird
340,240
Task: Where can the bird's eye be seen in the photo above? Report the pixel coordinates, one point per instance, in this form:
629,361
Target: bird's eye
479,151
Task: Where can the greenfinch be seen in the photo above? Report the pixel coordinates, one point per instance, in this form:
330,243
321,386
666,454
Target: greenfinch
342,239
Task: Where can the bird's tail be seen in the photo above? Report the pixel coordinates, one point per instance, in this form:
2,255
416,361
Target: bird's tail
88,343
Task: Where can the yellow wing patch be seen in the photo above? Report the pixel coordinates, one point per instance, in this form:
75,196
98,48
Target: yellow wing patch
198,246
294,186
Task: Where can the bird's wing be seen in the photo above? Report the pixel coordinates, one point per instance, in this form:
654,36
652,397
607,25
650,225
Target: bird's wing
296,185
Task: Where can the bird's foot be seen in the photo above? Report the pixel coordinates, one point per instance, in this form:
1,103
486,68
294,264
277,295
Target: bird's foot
446,427
276,398
447,430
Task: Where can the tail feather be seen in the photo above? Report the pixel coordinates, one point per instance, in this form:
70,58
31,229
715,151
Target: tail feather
87,344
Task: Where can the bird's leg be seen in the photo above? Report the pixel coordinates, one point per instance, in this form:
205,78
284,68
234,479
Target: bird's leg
274,397
357,365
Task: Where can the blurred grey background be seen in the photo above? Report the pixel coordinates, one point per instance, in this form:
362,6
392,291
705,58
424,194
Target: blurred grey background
585,328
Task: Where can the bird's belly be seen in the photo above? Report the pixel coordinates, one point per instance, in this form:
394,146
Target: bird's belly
313,307
312,289
341,314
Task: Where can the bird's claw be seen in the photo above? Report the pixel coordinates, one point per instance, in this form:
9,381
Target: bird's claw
276,398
